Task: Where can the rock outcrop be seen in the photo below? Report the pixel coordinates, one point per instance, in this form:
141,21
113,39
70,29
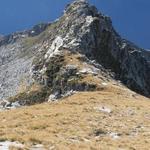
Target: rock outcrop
37,56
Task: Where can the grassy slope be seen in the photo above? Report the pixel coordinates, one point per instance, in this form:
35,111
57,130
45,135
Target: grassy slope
74,123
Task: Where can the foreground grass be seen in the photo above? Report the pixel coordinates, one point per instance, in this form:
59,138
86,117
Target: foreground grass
77,123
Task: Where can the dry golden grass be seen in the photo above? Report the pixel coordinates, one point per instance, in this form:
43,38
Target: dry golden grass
75,123
74,59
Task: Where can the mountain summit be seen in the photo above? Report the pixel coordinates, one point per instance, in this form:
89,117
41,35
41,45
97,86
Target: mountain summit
53,60
89,88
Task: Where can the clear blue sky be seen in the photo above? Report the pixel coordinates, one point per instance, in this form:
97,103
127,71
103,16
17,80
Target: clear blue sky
131,18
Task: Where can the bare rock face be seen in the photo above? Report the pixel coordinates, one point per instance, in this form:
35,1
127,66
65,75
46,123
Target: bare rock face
93,34
14,69
16,58
36,55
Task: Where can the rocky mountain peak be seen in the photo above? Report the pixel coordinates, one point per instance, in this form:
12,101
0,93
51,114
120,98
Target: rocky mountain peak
79,26
78,6
45,57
